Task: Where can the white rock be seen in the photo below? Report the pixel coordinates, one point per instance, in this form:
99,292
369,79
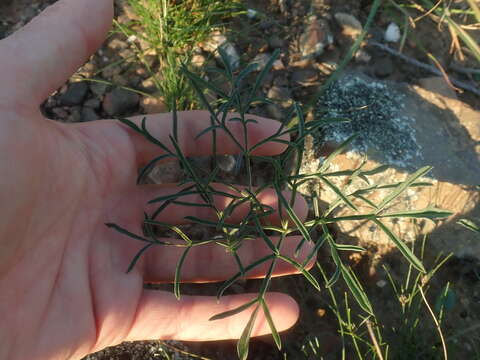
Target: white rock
392,34
251,13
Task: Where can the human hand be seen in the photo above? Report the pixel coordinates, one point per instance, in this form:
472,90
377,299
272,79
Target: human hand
64,292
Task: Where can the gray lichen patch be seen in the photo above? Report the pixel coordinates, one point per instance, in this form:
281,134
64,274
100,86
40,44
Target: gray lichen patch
376,112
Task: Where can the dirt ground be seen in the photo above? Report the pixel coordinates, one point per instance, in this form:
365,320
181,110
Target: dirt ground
282,28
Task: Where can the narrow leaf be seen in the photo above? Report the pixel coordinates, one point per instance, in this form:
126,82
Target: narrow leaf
271,324
178,269
242,345
235,311
403,186
404,249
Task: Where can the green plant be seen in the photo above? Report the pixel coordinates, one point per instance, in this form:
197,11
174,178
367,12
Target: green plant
240,99
170,30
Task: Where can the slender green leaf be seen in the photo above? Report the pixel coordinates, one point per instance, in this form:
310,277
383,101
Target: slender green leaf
242,345
336,152
235,311
403,186
178,269
137,257
347,247
402,247
429,213
339,193
271,324
127,233
470,225
304,272
356,289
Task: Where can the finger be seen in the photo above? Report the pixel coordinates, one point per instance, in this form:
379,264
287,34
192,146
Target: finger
39,58
175,212
212,263
192,123
161,316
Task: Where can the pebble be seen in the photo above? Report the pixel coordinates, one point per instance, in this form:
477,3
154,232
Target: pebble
276,42
216,41
281,94
99,89
93,103
384,67
392,34
261,60
120,102
349,24
75,94
89,114
153,105
315,38
305,77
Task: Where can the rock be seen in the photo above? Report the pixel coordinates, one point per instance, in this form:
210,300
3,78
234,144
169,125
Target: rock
226,163
165,173
98,88
275,42
120,102
216,41
350,25
383,67
93,104
59,113
278,65
305,77
363,56
148,85
75,94
276,112
153,105
404,129
392,34
75,115
198,60
261,60
315,38
438,85
89,114
282,95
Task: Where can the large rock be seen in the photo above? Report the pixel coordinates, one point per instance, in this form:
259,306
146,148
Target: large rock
405,128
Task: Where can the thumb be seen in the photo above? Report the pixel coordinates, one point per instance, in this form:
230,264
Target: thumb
40,57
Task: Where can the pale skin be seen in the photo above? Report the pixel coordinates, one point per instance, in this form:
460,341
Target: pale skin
64,291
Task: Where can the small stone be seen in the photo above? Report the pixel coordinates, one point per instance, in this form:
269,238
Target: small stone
59,113
315,38
226,163
198,60
363,56
276,112
75,115
252,13
93,103
384,67
89,114
349,24
98,88
381,283
278,65
216,41
75,94
148,85
392,34
281,94
261,61
305,77
153,105
120,101
276,42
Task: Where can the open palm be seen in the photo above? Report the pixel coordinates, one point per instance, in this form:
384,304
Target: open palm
63,288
